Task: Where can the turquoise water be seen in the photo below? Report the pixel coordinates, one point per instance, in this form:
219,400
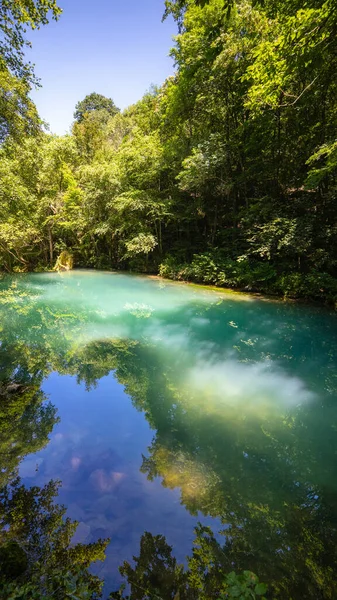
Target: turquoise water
179,405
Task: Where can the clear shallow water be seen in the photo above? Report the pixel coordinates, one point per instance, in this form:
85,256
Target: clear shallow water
180,405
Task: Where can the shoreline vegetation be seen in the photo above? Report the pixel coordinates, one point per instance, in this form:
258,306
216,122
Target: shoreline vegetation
178,278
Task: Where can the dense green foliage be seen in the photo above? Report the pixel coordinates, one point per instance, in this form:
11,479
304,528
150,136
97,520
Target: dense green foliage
18,113
226,174
94,102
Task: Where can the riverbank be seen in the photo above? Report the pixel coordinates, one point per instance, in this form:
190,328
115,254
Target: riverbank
253,278
312,289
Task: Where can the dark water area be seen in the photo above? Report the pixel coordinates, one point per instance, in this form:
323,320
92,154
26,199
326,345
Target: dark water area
171,405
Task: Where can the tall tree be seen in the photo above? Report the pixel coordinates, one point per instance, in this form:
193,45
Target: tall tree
95,102
17,112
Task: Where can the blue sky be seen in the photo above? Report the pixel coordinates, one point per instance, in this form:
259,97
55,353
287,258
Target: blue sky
114,47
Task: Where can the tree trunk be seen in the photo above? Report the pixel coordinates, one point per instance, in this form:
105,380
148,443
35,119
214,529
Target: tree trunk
51,249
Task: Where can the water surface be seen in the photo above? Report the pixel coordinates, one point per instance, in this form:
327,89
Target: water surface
179,405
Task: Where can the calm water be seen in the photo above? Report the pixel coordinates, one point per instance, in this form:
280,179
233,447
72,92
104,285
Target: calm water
177,406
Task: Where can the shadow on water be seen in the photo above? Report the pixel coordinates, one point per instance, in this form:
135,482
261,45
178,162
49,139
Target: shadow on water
241,398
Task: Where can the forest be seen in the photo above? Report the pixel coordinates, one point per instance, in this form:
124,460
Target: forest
224,175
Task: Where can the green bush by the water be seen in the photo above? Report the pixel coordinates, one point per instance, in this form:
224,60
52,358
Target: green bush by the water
214,269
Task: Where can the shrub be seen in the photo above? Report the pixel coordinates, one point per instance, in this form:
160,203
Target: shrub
314,286
172,269
216,269
213,268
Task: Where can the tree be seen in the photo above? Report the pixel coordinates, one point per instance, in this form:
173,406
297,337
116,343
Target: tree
58,193
95,102
19,233
40,200
15,16
17,112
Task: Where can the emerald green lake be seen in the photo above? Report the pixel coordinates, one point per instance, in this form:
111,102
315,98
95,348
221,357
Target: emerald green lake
178,405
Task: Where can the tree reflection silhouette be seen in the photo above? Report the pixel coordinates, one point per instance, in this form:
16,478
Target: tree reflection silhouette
279,514
37,558
268,477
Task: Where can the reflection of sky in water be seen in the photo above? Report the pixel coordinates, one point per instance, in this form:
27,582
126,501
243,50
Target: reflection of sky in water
252,387
222,378
96,451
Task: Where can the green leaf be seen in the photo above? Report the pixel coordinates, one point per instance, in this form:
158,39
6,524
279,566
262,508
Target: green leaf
260,589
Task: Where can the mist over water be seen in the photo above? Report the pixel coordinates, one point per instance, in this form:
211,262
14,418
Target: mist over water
178,405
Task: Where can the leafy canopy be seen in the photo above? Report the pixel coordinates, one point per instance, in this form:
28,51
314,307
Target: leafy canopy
94,102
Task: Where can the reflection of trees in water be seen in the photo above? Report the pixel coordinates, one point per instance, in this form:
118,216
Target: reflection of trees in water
37,559
53,331
271,481
157,575
26,419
